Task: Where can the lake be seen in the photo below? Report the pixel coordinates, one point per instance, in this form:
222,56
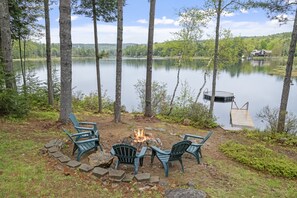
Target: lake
249,81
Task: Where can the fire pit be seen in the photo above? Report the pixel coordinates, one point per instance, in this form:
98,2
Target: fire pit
139,139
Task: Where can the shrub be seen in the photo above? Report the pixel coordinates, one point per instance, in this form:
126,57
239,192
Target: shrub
270,116
261,158
13,104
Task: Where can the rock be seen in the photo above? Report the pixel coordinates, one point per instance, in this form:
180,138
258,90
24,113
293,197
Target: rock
128,178
116,175
143,177
185,193
53,149
42,151
99,172
50,144
191,184
154,179
100,159
57,154
85,168
64,159
73,164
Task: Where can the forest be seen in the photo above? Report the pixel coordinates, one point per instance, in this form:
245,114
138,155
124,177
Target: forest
277,43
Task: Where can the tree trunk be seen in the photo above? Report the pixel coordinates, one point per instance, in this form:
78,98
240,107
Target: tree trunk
97,58
50,89
21,59
148,85
176,86
117,107
66,63
287,79
10,82
216,57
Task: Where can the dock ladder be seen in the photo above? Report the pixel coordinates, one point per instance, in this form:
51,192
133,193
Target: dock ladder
240,117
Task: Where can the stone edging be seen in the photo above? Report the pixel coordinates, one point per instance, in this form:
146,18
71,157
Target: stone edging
53,149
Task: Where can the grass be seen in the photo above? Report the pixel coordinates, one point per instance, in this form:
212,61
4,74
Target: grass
26,173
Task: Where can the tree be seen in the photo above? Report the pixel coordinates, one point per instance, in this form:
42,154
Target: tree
277,9
148,84
117,107
5,35
66,63
219,7
100,10
50,90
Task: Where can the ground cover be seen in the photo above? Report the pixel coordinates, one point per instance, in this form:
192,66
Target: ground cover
24,172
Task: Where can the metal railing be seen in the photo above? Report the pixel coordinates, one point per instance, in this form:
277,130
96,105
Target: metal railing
245,106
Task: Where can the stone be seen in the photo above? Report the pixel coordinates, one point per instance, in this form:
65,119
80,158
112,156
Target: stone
59,143
143,177
191,184
116,175
53,149
99,172
101,159
57,154
154,179
128,178
50,144
148,128
163,183
162,130
64,159
85,168
73,164
185,193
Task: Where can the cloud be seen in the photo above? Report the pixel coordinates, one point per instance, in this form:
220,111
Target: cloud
164,21
142,21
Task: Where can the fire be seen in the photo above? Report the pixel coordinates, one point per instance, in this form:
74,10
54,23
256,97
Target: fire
139,135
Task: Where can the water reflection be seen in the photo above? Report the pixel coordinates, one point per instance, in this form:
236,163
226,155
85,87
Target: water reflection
249,83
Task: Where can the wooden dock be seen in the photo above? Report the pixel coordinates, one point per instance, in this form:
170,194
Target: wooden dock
241,118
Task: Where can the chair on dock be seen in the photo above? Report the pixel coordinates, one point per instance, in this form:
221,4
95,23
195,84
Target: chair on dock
167,156
85,127
81,144
127,154
195,148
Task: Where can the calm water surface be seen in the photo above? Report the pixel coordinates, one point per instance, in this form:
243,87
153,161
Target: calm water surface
249,81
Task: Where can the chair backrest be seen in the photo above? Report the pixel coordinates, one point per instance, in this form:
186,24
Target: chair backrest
206,137
179,149
125,153
73,119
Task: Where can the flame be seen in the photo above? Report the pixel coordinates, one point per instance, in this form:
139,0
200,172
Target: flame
139,135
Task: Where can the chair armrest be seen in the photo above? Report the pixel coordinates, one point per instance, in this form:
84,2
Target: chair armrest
86,141
160,151
142,152
112,152
85,128
89,123
196,145
81,134
192,136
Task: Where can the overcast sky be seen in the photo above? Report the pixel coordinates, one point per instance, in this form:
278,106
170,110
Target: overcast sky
136,13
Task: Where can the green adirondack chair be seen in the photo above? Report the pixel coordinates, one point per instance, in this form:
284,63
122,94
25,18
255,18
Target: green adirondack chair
81,144
167,156
195,148
85,127
127,154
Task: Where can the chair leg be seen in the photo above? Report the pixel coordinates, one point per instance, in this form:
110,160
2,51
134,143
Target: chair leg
165,165
100,147
117,164
74,149
136,164
181,163
141,161
153,156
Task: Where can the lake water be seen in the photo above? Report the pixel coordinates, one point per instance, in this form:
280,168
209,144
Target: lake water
249,81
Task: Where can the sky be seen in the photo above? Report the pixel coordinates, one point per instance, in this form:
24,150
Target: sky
252,22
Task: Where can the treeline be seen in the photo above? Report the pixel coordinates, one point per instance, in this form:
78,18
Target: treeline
241,46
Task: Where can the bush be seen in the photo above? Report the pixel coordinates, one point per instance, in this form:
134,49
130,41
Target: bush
280,138
13,104
261,158
270,116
